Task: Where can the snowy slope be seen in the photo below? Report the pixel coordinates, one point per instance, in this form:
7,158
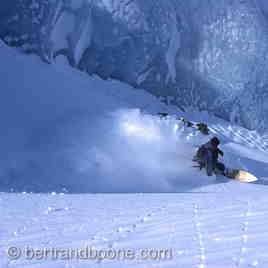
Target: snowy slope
211,228
65,128
64,132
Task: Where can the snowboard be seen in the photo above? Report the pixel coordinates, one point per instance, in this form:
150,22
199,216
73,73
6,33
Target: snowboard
234,174
239,175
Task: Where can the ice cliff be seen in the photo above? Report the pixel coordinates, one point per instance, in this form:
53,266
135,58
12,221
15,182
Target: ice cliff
210,55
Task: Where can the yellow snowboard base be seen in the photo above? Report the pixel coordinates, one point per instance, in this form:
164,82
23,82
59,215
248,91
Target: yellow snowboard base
240,175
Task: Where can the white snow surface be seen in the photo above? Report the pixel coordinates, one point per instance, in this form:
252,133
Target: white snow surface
62,131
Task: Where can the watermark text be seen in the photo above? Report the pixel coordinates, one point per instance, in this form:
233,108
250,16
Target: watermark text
88,253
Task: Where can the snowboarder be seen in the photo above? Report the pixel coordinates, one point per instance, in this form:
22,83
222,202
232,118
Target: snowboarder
207,156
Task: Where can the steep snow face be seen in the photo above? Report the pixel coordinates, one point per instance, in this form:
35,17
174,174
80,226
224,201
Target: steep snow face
64,131
209,55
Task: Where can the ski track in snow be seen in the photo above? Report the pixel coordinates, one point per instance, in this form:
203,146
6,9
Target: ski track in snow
203,229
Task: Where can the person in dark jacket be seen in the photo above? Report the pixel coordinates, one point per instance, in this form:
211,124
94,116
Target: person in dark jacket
207,156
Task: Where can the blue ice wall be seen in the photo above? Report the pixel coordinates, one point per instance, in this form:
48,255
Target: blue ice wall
210,55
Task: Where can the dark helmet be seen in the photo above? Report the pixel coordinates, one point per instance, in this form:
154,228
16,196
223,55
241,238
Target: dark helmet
215,141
